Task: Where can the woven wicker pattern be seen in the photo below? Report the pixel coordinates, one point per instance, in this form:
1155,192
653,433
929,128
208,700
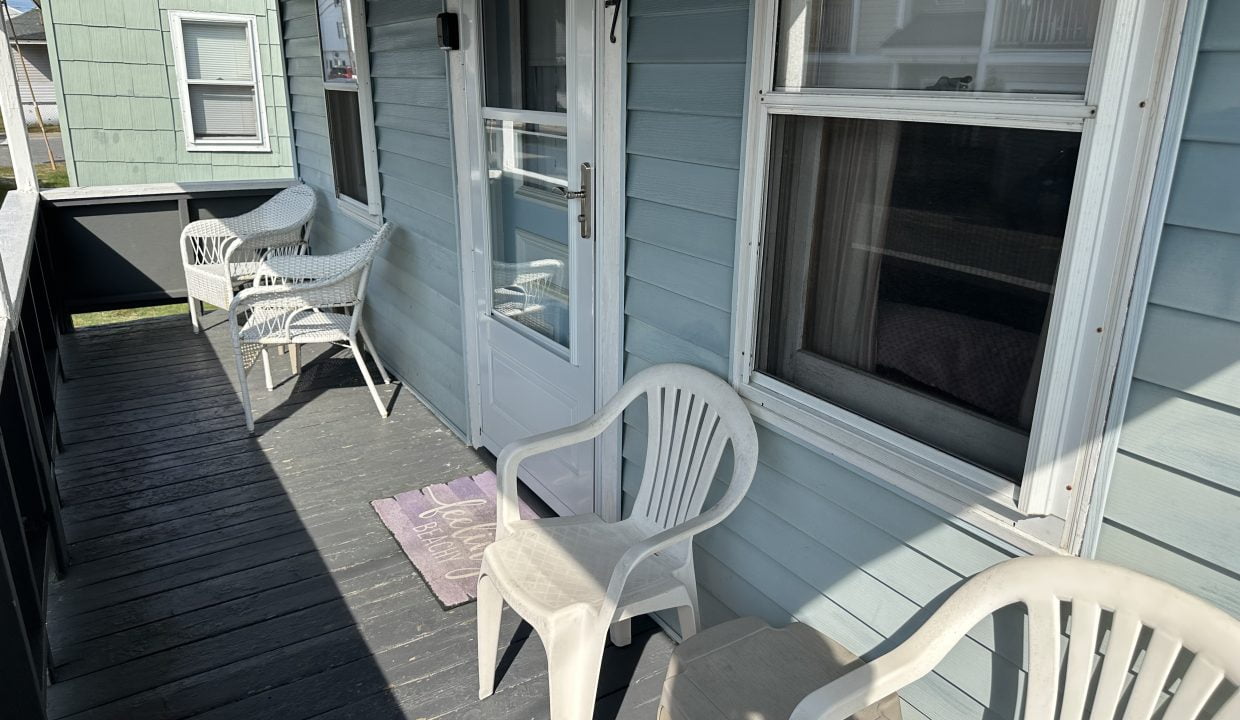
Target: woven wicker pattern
304,299
221,254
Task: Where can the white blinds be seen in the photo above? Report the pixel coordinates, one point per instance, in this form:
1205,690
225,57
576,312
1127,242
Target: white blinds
223,111
217,51
219,80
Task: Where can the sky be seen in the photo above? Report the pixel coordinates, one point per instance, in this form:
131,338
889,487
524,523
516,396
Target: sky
20,5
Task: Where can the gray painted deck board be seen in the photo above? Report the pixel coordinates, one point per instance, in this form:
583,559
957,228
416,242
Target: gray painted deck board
219,574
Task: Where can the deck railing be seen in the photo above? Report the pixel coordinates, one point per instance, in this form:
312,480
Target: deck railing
32,542
62,252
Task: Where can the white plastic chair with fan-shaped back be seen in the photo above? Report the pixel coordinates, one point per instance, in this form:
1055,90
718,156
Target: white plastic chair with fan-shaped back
301,300
573,578
1178,623
221,254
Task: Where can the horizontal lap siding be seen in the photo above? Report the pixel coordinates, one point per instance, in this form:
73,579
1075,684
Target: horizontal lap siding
813,540
414,295
1175,492
117,75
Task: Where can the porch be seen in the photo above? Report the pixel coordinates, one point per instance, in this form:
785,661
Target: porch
217,573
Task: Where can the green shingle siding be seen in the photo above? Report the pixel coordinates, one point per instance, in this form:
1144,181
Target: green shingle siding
117,83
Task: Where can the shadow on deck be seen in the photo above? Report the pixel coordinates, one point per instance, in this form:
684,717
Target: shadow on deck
221,574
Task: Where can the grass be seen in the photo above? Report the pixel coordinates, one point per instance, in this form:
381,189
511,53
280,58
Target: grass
112,317
48,178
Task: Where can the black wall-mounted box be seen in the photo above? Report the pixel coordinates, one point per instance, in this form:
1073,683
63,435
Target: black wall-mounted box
448,26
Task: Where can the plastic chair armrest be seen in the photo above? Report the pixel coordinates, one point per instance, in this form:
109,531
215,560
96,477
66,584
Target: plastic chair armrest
515,453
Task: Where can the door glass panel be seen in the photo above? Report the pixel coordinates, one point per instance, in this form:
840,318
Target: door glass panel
1029,46
526,164
525,55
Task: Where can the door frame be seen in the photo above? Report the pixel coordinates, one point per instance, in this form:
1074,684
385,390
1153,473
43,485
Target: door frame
464,76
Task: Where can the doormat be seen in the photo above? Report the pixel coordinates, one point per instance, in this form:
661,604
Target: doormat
443,530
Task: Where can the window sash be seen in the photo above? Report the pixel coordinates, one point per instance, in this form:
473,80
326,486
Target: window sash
369,208
1078,364
251,135
212,53
222,115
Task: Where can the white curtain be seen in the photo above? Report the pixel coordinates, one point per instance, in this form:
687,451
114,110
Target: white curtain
859,162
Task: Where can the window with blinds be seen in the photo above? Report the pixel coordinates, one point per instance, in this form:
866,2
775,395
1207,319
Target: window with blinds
221,87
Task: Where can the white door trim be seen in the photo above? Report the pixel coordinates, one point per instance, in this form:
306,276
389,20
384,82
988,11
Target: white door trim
611,94
1163,169
463,73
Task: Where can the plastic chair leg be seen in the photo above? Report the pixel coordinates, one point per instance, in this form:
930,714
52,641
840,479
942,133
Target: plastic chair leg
622,632
294,358
574,658
490,609
688,618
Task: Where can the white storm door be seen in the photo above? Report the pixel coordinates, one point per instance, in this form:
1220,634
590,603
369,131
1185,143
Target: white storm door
534,261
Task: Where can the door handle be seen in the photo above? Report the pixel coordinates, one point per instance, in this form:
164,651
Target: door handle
583,217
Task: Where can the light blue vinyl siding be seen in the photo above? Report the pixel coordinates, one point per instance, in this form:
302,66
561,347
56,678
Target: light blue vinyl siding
1174,499
814,540
414,296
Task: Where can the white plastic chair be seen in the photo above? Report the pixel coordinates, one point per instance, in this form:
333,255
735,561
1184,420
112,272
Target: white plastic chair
220,255
572,578
305,299
1178,621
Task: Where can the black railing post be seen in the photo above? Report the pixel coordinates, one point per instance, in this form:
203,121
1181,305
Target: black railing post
23,691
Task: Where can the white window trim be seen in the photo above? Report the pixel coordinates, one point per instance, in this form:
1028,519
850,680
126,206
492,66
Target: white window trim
369,213
260,143
1120,120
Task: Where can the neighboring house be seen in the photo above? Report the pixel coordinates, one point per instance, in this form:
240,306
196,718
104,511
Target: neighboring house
165,91
34,69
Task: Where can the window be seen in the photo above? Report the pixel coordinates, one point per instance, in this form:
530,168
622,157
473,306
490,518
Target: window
350,112
220,77
927,291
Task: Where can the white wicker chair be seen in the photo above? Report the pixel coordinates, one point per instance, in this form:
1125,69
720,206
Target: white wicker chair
574,578
305,299
222,254
1070,683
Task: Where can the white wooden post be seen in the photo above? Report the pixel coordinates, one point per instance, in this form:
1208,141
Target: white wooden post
15,121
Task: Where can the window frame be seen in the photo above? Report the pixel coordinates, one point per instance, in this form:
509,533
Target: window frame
371,211
1123,108
262,140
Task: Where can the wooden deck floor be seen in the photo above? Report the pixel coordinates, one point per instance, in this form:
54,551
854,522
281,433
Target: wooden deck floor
219,574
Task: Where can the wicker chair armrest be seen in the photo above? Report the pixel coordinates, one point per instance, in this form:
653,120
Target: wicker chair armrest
205,248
